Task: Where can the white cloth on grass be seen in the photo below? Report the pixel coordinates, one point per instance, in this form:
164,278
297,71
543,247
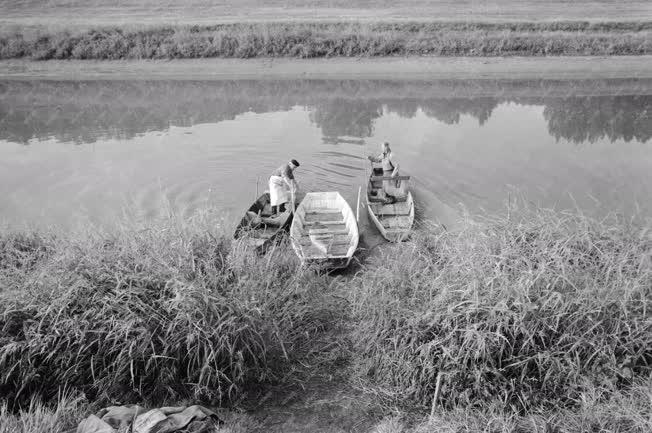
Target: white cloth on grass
133,418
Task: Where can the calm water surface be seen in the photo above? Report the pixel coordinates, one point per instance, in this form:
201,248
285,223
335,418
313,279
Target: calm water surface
101,149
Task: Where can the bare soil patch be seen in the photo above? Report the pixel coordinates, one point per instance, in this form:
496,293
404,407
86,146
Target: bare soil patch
337,68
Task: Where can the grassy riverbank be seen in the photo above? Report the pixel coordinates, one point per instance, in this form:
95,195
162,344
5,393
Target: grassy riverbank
539,318
525,313
332,39
151,315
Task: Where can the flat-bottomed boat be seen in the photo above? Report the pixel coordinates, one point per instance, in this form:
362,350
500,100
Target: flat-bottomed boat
393,217
259,228
324,230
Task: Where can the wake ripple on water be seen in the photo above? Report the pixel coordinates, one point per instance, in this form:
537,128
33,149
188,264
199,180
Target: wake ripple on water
331,153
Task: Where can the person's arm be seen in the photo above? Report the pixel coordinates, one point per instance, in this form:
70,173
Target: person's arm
375,158
395,165
291,182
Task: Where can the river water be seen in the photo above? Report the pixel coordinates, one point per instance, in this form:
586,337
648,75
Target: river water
96,151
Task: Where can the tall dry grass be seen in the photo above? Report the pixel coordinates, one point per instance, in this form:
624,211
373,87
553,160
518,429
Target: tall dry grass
157,314
538,321
526,313
310,40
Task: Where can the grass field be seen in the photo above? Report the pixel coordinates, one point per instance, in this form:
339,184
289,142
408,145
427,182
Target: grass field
120,12
538,318
144,29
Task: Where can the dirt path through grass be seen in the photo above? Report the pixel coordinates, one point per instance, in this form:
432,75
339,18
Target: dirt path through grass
325,397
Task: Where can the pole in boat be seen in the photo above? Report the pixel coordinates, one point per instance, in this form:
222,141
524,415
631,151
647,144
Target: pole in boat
257,180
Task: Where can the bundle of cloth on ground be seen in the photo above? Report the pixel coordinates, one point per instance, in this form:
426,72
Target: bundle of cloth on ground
135,419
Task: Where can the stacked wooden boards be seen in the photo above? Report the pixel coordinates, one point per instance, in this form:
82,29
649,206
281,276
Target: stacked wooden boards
324,230
258,227
393,218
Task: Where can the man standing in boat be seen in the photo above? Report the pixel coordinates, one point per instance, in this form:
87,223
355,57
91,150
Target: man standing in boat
390,169
283,186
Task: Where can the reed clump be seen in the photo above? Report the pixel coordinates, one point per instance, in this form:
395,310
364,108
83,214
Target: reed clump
526,313
332,39
151,315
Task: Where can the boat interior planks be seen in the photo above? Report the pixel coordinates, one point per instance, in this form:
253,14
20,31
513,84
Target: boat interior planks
259,228
393,216
324,230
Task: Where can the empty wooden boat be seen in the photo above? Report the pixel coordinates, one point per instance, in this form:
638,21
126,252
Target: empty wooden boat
259,228
394,218
324,230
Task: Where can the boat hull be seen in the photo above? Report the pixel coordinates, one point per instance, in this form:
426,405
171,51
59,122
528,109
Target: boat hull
262,230
394,220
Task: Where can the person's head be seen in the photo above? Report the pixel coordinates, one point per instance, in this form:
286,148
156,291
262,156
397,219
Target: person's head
386,148
294,164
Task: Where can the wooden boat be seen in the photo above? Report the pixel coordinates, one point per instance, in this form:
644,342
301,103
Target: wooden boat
394,219
258,228
324,230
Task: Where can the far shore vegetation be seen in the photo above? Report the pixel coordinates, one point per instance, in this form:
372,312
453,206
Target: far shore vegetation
538,320
331,39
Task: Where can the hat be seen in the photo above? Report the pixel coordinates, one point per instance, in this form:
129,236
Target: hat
294,162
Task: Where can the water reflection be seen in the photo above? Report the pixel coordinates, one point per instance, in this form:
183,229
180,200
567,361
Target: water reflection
83,112
449,111
144,147
340,117
589,119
